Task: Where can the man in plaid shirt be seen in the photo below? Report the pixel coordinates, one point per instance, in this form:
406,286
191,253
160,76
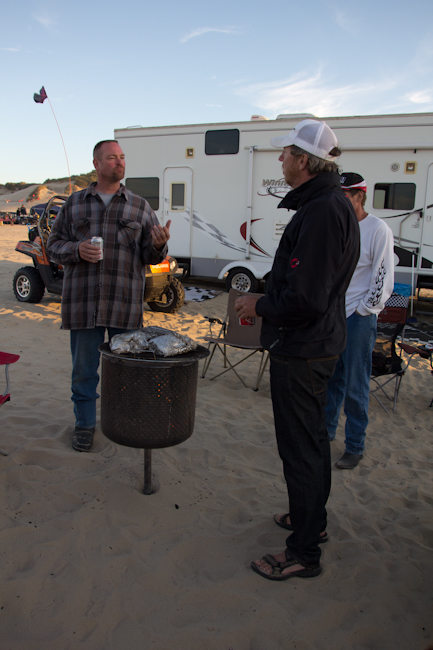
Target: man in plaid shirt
102,294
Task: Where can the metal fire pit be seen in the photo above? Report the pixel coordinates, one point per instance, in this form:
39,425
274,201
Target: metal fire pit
148,402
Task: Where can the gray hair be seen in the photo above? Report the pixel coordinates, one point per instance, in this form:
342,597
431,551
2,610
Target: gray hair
317,165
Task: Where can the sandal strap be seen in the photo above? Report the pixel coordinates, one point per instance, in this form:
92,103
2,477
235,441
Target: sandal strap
269,559
278,567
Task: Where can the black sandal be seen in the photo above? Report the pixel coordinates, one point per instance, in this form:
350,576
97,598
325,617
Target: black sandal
278,568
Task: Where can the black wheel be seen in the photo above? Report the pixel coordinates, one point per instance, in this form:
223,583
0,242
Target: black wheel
242,280
28,285
171,300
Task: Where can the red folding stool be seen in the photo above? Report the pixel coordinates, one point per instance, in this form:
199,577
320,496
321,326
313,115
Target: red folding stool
5,360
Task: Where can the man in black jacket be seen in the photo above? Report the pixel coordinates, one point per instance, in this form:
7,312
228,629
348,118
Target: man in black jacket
304,328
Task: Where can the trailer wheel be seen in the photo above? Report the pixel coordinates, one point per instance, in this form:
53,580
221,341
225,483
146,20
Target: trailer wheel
242,280
171,300
28,285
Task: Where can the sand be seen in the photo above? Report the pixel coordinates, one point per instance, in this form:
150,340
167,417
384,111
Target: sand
90,562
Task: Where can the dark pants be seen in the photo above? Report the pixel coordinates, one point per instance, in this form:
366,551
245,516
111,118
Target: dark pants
298,389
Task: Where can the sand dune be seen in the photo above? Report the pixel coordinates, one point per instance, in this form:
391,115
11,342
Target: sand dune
10,202
89,562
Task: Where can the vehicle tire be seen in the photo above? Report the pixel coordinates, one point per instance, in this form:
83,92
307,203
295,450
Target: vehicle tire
28,285
174,297
242,280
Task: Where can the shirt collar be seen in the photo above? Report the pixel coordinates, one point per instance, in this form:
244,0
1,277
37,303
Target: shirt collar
91,191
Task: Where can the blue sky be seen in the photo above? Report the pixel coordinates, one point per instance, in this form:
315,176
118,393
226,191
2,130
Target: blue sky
109,65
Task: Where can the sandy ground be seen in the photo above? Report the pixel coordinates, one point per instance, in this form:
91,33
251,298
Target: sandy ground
90,562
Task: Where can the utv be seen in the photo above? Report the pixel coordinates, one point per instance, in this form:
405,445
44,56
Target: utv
163,292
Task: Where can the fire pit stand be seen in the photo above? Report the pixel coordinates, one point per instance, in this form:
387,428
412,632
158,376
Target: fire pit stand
148,402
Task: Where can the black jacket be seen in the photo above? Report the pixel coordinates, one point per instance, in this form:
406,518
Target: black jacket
303,309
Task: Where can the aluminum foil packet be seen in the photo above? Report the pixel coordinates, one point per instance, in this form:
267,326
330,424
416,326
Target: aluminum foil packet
134,342
159,340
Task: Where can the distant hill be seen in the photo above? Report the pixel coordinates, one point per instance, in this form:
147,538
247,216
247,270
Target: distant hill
79,181
8,188
14,195
82,180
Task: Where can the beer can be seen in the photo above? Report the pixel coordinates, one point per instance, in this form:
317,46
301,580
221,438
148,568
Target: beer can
99,242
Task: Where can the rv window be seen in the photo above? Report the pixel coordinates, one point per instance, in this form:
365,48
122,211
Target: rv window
394,196
148,188
177,196
220,142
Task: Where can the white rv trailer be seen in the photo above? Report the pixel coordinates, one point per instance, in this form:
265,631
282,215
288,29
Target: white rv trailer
220,184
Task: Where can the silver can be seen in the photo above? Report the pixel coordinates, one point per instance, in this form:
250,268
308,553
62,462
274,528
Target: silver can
99,242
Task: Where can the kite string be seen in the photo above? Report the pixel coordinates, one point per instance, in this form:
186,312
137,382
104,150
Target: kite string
67,161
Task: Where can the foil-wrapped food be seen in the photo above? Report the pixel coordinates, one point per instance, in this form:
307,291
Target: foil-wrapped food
159,340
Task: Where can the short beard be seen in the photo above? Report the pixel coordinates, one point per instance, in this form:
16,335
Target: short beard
118,174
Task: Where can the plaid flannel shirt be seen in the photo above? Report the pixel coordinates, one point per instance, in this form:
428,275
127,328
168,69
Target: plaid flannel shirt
110,292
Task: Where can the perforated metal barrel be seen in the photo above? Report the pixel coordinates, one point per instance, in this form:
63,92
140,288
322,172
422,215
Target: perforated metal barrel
148,403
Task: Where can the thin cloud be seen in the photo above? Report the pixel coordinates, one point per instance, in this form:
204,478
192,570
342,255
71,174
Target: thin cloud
46,21
10,49
347,21
342,20
305,93
420,97
205,30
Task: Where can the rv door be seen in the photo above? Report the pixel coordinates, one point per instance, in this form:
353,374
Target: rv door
426,251
177,206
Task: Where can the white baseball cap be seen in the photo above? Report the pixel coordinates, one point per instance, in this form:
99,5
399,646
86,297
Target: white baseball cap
312,136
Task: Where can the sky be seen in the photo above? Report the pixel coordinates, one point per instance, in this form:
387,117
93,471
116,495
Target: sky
107,65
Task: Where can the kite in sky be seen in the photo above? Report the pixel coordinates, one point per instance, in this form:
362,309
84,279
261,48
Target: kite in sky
39,99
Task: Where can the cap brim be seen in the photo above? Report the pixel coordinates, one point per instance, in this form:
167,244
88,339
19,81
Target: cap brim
355,186
282,141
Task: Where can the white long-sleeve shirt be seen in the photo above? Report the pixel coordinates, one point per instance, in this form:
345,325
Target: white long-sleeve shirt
373,280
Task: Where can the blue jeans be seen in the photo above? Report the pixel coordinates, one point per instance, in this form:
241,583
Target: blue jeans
350,382
298,389
85,378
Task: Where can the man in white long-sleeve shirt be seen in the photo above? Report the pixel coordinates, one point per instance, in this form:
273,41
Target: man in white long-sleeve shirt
371,286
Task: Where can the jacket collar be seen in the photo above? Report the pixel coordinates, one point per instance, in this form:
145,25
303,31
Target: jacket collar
309,190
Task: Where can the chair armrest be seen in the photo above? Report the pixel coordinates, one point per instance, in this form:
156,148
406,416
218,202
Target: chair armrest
410,349
219,322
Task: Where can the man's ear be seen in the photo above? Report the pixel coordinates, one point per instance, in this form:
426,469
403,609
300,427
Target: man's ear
95,163
303,162
359,197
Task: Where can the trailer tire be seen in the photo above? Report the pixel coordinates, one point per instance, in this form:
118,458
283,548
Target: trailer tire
174,296
28,285
242,280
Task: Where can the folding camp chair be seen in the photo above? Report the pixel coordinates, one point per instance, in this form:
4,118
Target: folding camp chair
236,333
5,360
389,366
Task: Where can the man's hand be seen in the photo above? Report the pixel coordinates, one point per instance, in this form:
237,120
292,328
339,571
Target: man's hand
160,235
88,252
246,306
